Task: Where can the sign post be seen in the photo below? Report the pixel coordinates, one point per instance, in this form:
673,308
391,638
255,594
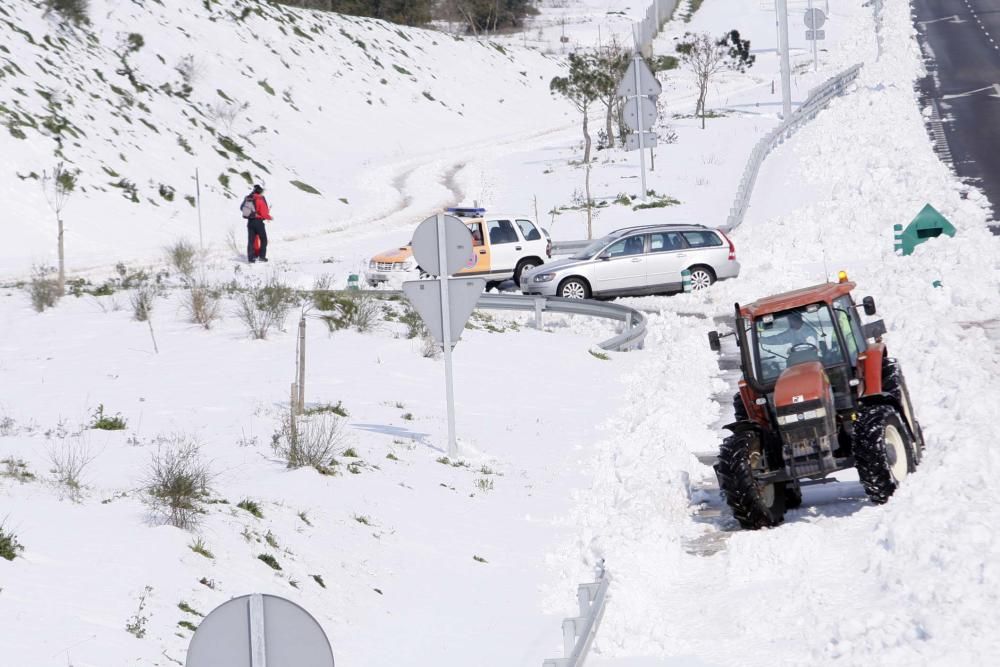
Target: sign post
442,245
786,76
639,87
814,18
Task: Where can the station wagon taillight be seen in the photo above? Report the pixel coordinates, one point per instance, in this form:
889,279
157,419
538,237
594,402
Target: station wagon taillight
732,248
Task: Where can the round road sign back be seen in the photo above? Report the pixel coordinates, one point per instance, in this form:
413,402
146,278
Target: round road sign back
457,246
259,631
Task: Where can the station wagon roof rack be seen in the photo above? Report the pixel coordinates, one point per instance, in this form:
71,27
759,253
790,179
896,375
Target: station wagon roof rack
670,225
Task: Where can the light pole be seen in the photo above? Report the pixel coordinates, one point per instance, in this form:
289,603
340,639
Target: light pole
786,89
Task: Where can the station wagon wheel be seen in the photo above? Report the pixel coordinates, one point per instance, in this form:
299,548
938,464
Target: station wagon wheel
701,278
574,288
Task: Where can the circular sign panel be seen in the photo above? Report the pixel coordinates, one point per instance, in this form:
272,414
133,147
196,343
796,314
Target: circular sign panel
259,631
457,246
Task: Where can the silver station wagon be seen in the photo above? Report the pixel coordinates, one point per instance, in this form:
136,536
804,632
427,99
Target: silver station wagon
636,261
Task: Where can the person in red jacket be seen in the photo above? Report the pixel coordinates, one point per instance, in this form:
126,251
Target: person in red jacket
255,226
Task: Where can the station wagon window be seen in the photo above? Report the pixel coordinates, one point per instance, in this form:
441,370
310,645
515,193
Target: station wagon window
665,241
477,233
528,230
501,231
702,239
632,245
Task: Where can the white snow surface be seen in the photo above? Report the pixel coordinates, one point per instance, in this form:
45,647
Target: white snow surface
570,458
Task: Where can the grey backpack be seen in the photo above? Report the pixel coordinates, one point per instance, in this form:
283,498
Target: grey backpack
247,208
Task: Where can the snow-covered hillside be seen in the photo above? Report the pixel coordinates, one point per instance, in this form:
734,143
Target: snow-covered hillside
321,108
567,455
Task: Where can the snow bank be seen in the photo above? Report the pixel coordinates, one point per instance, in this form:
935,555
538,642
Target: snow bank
911,582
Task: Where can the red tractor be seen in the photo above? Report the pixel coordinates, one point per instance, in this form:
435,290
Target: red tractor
819,394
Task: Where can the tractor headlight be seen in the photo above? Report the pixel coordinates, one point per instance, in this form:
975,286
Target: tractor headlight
371,265
543,277
786,420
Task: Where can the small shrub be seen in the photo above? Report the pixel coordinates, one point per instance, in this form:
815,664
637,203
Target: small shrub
208,583
177,483
103,422
264,306
318,578
182,256
43,288
142,300
188,609
599,355
68,462
271,540
479,559
351,452
202,306
337,409
251,506
199,547
271,561
9,546
187,625
136,624
72,12
429,348
350,308
391,457
408,416
16,469
310,441
363,519
484,484
305,518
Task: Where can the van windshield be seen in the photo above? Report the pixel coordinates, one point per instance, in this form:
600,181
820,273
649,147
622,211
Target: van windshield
594,247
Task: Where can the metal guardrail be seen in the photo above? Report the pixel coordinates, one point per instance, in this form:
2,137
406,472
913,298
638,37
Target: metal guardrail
568,247
579,632
634,321
818,98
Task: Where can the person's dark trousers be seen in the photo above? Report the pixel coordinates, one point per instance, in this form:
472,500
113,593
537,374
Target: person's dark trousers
255,227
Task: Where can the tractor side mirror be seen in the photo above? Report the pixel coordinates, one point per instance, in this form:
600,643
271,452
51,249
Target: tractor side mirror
869,304
713,341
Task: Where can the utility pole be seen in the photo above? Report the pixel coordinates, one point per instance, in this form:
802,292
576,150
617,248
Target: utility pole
815,25
786,83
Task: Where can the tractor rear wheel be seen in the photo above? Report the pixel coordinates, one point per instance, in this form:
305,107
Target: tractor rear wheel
739,410
793,496
894,384
754,505
883,452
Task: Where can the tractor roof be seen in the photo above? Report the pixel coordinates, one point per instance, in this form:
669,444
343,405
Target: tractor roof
825,292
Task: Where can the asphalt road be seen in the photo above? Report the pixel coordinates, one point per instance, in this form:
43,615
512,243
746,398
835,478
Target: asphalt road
961,44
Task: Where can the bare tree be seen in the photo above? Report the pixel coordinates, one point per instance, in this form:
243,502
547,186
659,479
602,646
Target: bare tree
57,188
707,57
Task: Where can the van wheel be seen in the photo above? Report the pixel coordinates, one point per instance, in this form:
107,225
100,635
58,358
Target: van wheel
574,288
522,266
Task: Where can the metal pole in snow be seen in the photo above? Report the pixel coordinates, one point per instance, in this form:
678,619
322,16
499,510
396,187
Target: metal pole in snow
638,110
786,83
197,188
302,365
446,336
815,65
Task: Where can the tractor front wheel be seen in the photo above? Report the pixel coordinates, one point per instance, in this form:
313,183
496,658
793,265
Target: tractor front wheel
754,505
883,452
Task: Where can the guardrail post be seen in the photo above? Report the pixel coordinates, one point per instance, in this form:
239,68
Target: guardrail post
539,306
